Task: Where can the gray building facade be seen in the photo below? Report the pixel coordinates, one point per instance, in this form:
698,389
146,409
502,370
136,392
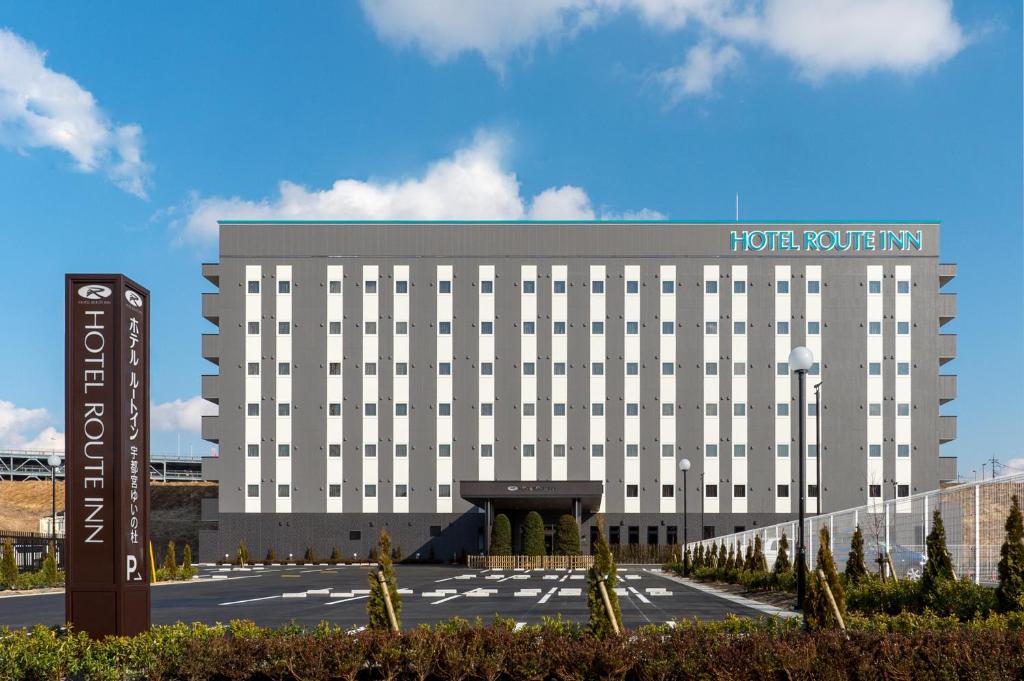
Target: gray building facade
421,377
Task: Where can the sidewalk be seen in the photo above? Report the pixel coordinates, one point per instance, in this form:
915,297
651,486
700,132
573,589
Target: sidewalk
767,609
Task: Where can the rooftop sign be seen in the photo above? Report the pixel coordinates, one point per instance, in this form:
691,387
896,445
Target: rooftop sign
817,240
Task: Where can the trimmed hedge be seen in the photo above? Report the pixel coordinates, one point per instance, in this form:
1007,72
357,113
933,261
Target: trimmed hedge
733,649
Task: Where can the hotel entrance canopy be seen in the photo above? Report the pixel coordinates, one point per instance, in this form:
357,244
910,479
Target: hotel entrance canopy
533,495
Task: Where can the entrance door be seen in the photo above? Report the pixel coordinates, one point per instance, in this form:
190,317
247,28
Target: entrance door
549,539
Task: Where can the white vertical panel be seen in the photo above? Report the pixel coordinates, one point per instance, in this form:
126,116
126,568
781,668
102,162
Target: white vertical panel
559,384
631,395
783,391
527,384
812,313
335,390
667,389
400,390
903,388
739,390
875,386
371,395
253,390
444,391
597,383
283,390
710,354
485,384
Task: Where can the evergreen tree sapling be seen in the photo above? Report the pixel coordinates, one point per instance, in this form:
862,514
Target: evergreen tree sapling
376,608
242,558
713,557
1010,592
730,562
335,555
567,537
817,609
310,556
186,571
533,535
748,560
939,565
604,566
48,571
501,536
856,568
8,565
782,563
171,561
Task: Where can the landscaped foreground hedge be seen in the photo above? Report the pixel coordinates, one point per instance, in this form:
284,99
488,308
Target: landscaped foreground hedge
904,647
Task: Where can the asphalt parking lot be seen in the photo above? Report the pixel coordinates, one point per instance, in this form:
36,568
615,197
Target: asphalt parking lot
307,595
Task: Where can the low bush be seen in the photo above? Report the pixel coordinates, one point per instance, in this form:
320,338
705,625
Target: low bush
905,647
962,598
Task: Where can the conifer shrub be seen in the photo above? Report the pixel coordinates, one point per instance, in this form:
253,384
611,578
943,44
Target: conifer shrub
242,557
533,535
501,536
782,563
1010,592
567,536
171,561
604,568
856,569
186,571
8,565
376,608
939,566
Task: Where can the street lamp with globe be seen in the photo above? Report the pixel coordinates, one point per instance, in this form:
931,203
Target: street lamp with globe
684,465
53,461
801,359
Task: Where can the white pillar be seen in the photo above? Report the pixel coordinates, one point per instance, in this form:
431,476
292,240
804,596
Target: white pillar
977,534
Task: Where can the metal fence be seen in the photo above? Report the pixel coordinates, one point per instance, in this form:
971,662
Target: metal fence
16,464
30,548
973,514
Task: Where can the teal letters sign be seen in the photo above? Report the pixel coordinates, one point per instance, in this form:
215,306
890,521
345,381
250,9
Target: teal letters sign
826,240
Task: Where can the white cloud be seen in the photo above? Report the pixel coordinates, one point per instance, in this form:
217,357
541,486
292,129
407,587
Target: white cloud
821,37
473,184
697,75
181,415
23,428
1014,466
42,108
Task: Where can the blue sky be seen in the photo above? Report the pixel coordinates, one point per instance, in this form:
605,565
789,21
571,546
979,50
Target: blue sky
124,131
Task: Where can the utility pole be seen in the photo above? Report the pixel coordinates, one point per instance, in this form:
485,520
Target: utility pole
995,462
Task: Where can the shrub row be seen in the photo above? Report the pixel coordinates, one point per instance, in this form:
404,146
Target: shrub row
735,649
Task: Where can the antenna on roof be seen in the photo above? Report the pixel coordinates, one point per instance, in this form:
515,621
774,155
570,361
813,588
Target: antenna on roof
737,206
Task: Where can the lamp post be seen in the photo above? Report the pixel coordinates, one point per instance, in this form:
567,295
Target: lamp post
800,361
684,465
53,461
817,439
702,504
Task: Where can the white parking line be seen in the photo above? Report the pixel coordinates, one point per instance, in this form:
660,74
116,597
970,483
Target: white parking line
249,600
548,595
643,599
443,600
345,600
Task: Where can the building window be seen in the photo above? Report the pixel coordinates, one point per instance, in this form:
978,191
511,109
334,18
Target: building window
334,451
632,491
284,451
875,451
875,409
710,287
782,369
444,368
668,369
739,451
253,368
253,491
739,286
371,286
284,286
812,490
711,450
597,409
903,368
632,286
632,328
284,491
874,368
613,535
354,535
334,328
334,286
782,328
334,491
632,451
486,368
529,408
668,328
874,491
667,408
667,451
558,409
597,451
813,286
334,368
874,328
711,368
370,409
652,535
668,286
487,286
671,535
253,409
370,369
874,286
401,409
739,409
444,286
401,368
334,409
903,328
558,328
739,369
903,490
487,328
529,286
711,491
401,328
782,286
782,409
401,491
529,451
252,451
812,451
401,451
632,408
711,409
370,491
487,451
597,368
559,451
370,328
285,369
597,286
401,286
529,368
444,491
903,451
558,286
444,450
739,328
444,328
284,409
812,409
903,409
253,328
813,328
632,368
782,491
782,450
597,328
444,409
739,491
558,368
487,409
253,286
668,491
711,328
903,286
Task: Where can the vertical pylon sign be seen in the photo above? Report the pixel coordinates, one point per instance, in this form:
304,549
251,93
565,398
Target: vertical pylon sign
106,454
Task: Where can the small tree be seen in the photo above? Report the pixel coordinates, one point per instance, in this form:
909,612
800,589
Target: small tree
376,608
730,562
186,571
310,556
171,561
335,554
856,569
271,555
760,564
748,560
8,565
939,565
698,557
501,536
604,567
533,535
1010,592
242,558
713,557
817,609
567,537
782,563
48,571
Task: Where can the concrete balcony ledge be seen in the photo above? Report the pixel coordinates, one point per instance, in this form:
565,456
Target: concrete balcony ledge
947,388
211,468
211,347
947,347
947,308
211,429
211,387
211,308
947,272
947,429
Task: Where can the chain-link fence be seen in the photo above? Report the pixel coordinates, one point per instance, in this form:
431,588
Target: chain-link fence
974,515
